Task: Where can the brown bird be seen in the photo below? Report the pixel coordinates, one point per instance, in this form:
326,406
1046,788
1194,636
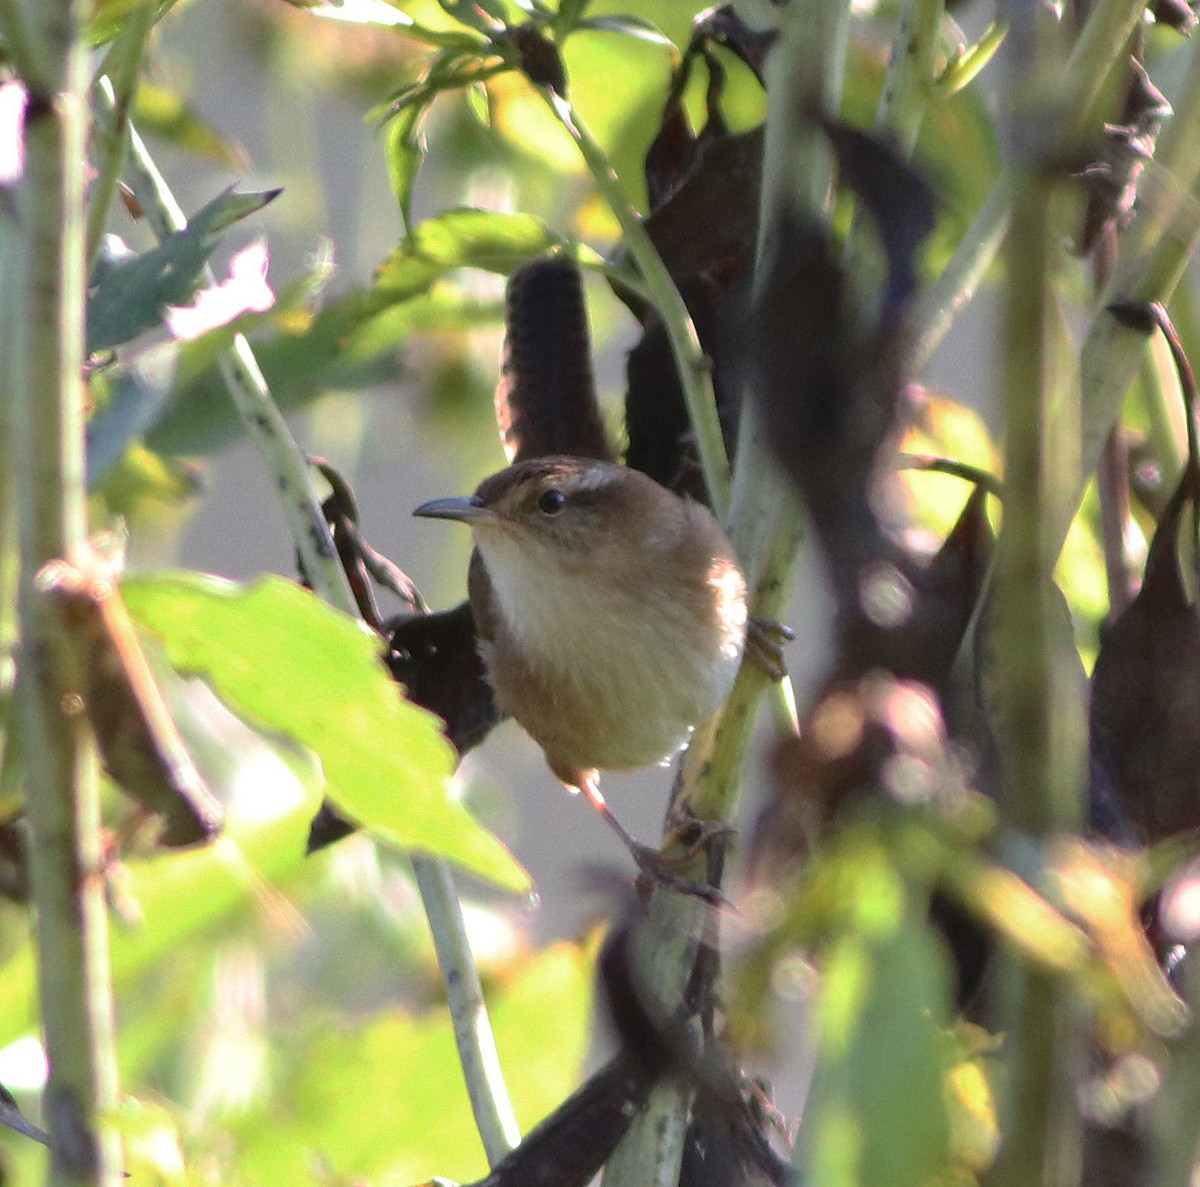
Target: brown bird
611,614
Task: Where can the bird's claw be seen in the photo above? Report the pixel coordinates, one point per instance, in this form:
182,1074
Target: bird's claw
693,837
765,640
654,870
657,868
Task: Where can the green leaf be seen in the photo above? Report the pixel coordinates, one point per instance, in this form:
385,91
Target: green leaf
404,153
453,69
108,17
471,238
378,12
294,306
127,295
877,1116
568,17
353,341
630,26
485,16
229,208
281,658
136,396
181,897
343,1075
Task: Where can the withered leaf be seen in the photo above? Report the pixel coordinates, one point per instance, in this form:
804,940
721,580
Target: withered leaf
722,26
1126,148
1145,711
1179,15
137,738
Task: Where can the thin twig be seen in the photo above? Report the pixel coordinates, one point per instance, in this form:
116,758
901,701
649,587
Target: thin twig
494,1117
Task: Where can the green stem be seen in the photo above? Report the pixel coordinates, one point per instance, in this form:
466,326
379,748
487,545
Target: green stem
310,534
123,66
695,374
61,776
10,332
1042,730
941,303
1174,1110
1166,429
494,1117
911,72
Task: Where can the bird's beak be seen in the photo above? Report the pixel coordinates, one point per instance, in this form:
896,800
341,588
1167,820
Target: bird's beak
468,508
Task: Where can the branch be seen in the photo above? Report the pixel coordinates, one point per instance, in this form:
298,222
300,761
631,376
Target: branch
1042,731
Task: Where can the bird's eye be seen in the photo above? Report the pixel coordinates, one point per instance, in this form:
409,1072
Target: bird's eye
551,501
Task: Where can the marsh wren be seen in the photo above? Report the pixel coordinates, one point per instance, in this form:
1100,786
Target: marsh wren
611,614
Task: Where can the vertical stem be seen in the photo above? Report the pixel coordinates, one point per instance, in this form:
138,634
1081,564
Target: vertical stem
804,69
1042,755
62,795
910,72
1172,1123
10,332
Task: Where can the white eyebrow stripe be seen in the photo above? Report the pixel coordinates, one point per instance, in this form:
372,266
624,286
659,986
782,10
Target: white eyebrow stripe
588,480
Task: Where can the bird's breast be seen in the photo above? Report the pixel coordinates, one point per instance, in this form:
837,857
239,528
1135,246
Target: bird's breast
612,674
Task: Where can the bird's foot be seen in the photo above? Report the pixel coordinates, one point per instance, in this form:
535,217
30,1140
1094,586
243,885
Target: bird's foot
694,837
765,640
657,869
